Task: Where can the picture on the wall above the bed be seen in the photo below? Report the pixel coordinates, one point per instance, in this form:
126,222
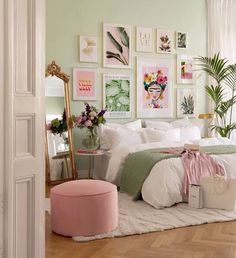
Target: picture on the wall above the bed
116,46
84,84
185,74
144,39
181,40
154,87
165,41
88,49
186,102
117,95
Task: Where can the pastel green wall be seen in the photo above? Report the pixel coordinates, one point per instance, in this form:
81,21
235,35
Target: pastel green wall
66,20
54,105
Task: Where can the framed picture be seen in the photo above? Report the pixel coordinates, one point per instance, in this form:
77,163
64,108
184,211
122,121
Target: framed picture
116,46
117,95
181,40
84,84
154,88
144,39
165,41
88,49
186,102
185,74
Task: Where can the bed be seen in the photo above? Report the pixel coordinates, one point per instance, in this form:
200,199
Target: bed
163,185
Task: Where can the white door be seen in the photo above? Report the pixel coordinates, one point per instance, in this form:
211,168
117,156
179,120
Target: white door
24,129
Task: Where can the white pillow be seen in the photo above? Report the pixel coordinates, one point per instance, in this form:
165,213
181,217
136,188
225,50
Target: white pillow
160,125
111,138
189,133
134,125
181,123
154,135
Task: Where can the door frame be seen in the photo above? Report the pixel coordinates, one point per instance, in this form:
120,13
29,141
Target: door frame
7,94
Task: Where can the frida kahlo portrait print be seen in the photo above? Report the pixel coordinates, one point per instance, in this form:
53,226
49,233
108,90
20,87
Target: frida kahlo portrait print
154,88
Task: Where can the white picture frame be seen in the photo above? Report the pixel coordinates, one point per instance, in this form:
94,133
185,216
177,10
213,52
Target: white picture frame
185,71
186,102
181,40
85,83
149,105
88,49
116,50
165,41
117,95
144,39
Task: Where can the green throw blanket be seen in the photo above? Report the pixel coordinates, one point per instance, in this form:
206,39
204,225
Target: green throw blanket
138,165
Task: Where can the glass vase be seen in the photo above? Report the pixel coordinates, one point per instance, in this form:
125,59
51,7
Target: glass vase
91,139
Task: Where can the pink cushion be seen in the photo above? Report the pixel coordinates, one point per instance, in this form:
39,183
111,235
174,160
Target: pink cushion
84,208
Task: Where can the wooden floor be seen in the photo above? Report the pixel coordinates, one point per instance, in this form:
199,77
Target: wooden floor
217,240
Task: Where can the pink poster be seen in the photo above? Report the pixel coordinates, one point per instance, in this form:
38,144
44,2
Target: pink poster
155,87
84,84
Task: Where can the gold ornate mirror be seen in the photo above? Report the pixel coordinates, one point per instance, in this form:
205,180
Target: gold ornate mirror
60,164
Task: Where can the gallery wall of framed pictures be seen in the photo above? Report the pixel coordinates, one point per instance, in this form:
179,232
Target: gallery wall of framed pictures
162,78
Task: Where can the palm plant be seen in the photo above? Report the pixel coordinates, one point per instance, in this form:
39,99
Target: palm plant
221,91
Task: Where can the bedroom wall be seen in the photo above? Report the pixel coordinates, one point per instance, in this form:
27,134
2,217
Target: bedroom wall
66,20
1,124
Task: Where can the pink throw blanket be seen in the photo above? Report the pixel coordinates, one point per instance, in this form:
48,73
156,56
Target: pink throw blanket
196,165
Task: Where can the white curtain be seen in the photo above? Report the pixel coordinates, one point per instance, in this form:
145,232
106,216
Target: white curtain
221,17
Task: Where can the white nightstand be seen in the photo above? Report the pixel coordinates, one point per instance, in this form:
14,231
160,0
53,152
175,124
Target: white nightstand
91,159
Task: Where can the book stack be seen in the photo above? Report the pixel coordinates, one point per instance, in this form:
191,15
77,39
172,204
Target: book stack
87,151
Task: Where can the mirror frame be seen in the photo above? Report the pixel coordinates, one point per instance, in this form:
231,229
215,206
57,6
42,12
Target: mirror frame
54,70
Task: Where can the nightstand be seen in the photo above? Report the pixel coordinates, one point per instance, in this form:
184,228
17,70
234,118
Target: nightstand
90,159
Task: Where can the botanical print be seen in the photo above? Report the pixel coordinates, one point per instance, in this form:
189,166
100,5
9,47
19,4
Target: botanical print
154,88
117,95
181,40
186,102
84,84
144,40
116,48
165,41
185,69
88,49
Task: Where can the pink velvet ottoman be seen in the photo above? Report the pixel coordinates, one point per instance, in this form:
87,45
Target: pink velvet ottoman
84,208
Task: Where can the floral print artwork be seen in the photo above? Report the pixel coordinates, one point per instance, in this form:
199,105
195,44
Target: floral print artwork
117,95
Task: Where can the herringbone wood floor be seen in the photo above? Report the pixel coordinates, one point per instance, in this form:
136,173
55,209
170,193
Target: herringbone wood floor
217,240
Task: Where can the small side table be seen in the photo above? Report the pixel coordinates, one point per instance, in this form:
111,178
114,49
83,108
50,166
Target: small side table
91,159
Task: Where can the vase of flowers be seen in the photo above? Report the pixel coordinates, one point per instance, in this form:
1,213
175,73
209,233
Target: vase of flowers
90,119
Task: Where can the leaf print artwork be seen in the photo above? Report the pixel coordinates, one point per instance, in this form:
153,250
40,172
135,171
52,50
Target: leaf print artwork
186,102
116,46
117,92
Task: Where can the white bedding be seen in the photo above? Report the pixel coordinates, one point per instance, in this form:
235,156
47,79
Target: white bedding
163,186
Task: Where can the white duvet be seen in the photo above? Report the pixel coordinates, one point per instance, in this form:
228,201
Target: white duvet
163,186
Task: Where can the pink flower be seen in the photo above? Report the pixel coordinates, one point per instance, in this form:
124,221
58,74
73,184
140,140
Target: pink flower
79,119
88,123
161,80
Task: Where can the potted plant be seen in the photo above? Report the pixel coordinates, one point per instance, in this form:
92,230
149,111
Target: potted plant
222,92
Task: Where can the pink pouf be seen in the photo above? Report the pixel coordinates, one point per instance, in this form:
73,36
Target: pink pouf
84,208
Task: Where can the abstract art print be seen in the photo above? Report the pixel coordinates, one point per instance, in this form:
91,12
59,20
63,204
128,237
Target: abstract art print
84,84
186,102
88,49
116,46
144,39
154,88
181,40
117,95
165,41
185,74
